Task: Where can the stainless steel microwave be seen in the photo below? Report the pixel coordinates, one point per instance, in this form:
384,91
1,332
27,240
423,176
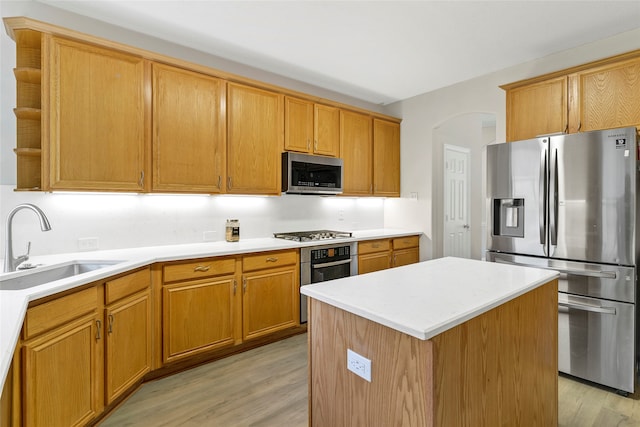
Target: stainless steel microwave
308,174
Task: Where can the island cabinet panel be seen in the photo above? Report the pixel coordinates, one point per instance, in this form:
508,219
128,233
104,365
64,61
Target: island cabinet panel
98,118
356,148
189,131
255,137
386,158
497,369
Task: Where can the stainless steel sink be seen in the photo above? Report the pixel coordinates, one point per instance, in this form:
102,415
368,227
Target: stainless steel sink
41,275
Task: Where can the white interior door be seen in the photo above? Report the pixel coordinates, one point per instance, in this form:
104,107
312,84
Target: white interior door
457,231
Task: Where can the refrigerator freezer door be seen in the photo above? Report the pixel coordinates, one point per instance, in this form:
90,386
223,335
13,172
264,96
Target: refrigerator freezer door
596,340
516,185
592,204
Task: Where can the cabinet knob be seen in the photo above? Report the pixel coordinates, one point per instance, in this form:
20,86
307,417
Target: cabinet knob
235,286
202,268
110,329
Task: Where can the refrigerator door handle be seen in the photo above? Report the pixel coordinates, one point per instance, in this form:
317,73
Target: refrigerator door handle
601,274
543,199
553,190
584,307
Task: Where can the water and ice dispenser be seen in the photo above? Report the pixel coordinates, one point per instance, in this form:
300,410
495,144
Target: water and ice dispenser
508,217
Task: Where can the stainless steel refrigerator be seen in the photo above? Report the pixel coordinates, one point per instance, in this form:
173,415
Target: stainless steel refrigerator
569,203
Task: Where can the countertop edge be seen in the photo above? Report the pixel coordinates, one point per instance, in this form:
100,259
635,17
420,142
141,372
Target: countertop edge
14,303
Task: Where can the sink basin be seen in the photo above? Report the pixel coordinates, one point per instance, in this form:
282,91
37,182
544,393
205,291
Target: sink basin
46,274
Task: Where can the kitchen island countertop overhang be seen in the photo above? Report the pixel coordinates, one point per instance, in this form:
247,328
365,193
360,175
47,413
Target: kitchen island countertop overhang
427,298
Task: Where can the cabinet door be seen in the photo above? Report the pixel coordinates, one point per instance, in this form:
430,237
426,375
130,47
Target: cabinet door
189,131
406,256
62,375
254,140
386,158
326,130
128,343
374,262
537,109
97,118
609,96
298,125
197,316
357,153
271,301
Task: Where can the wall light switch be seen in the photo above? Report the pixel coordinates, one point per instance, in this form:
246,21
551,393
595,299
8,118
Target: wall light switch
359,365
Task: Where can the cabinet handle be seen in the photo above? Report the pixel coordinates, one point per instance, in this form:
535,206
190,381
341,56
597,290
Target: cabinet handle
141,182
110,330
566,128
235,286
395,259
229,183
371,189
272,259
579,126
202,268
315,145
375,245
219,181
308,144
244,284
98,327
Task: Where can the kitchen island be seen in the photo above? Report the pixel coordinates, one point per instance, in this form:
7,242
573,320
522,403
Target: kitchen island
450,342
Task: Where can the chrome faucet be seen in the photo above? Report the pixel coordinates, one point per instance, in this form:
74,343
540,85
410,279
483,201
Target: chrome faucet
11,263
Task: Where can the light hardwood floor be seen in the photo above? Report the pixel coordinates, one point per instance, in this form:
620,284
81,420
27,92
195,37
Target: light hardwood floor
268,387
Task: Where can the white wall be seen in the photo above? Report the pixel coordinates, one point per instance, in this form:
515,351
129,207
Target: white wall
423,113
141,220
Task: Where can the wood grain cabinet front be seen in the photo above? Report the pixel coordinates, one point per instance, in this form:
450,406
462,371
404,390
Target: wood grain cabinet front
199,307
270,293
311,128
62,361
255,137
97,115
406,250
127,320
386,158
374,255
356,148
189,131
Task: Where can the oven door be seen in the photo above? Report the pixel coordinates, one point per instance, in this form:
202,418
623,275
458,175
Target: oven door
596,340
321,272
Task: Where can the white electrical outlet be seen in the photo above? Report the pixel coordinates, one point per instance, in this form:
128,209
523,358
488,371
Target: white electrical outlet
359,365
340,215
88,244
209,236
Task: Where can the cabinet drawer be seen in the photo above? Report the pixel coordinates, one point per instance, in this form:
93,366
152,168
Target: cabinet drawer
199,269
269,260
373,246
406,242
54,313
127,285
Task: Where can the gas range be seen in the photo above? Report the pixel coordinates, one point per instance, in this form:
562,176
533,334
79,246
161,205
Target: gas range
308,236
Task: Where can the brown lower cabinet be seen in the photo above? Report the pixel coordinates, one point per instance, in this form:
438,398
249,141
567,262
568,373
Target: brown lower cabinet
375,255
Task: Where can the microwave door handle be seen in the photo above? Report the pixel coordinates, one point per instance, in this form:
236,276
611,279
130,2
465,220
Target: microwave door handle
331,264
543,199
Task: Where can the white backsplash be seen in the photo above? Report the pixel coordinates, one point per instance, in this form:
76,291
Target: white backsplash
136,220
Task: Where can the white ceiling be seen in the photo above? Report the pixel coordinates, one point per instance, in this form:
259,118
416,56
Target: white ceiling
377,51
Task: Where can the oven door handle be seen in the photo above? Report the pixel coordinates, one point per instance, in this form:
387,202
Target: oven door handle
591,308
331,264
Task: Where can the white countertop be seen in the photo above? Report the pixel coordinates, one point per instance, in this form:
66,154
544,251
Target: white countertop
428,298
13,303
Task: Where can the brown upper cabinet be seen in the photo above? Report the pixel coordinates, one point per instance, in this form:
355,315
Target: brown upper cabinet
97,118
386,158
97,115
356,148
600,95
189,131
311,128
254,140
